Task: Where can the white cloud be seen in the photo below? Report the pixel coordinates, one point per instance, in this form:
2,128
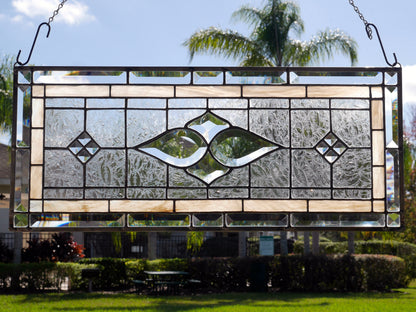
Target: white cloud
72,13
409,84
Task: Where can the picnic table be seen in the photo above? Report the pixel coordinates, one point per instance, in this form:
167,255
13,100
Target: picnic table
159,282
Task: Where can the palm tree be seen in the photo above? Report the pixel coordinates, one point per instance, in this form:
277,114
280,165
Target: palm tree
270,43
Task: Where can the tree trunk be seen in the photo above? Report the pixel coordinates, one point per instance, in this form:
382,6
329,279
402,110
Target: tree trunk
306,243
315,243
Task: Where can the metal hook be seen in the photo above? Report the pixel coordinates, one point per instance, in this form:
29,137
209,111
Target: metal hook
33,44
370,35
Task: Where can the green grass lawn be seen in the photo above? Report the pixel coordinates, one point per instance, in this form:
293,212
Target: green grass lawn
401,300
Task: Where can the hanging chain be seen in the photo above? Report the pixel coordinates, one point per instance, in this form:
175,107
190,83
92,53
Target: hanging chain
369,31
370,34
55,13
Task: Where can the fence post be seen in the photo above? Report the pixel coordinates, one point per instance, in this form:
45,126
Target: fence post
152,245
17,247
242,244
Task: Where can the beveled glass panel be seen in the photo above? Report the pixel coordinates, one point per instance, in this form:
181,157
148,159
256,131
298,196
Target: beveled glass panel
330,77
79,76
62,126
143,125
23,116
208,77
309,169
73,221
155,220
160,77
207,169
308,127
236,147
20,221
391,116
181,147
363,220
256,220
392,183
393,220
21,183
208,126
253,77
207,220
24,77
314,220
272,125
271,170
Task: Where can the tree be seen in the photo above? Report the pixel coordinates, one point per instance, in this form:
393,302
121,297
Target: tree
6,93
270,43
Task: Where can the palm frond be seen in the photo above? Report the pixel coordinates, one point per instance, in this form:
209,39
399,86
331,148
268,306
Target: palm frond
226,43
251,16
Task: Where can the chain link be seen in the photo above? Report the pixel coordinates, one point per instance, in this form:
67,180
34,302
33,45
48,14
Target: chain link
55,13
369,31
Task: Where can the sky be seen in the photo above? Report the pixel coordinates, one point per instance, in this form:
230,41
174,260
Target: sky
152,32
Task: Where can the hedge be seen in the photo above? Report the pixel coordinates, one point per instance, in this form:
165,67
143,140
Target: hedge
293,273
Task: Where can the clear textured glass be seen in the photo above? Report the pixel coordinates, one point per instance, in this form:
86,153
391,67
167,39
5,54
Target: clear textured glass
352,194
146,193
106,127
350,103
271,124
143,125
237,118
107,168
208,220
144,170
185,193
154,220
227,103
309,103
106,103
353,169
177,118
309,169
63,193
87,220
271,170
352,127
146,103
104,193
181,147
228,193
253,77
270,193
187,103
62,169
236,177
311,193
256,220
62,126
64,103
309,127
269,103
236,147
180,178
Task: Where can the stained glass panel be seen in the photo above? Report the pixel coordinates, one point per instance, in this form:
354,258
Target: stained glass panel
190,148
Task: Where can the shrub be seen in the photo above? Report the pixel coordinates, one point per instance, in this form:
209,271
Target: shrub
112,273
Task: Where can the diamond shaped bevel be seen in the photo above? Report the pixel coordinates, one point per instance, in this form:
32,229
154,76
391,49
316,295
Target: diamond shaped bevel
92,147
75,147
330,139
84,156
331,156
84,138
339,148
322,147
